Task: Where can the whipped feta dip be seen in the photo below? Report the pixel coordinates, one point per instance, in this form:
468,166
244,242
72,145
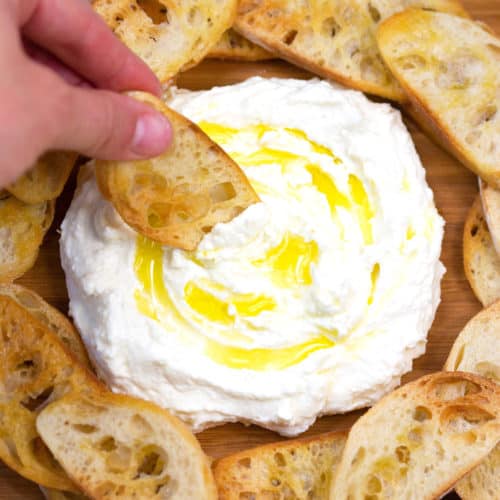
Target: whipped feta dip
313,301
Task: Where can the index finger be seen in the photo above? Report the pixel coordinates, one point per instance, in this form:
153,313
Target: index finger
73,32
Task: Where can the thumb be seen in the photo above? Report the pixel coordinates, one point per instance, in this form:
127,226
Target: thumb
109,126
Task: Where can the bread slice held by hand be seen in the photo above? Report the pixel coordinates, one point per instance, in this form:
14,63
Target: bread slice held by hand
178,197
334,39
35,368
419,440
169,36
450,70
115,446
52,318
477,350
233,46
46,180
22,229
300,468
490,199
481,262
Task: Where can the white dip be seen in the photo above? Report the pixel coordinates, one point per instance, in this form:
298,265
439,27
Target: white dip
313,302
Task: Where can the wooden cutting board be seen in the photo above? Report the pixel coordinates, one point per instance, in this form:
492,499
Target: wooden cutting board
454,188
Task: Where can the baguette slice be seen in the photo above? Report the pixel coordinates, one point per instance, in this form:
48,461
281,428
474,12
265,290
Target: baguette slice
51,318
169,36
235,47
46,180
490,199
477,350
22,229
481,262
300,468
35,368
450,70
335,39
179,196
419,440
115,446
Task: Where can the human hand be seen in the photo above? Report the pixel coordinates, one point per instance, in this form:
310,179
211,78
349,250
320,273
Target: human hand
61,71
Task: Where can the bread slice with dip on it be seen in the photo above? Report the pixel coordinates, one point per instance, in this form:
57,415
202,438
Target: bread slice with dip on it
300,468
418,441
22,230
477,350
169,36
235,47
450,70
334,39
177,197
481,262
115,446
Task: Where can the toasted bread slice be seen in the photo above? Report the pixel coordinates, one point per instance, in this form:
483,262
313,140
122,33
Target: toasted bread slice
179,196
335,39
450,70
169,36
300,468
46,180
490,199
52,318
419,440
481,262
115,446
477,350
235,47
22,229
35,368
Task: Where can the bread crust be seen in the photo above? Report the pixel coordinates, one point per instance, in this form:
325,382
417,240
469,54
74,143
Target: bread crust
234,47
481,262
490,200
46,179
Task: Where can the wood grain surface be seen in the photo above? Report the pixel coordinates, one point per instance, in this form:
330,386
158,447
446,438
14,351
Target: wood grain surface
454,188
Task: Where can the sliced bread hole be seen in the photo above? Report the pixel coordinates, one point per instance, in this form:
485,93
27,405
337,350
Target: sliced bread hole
403,454
279,459
153,462
85,428
374,13
411,62
141,425
119,460
454,389
104,489
222,192
155,10
485,115
421,414
373,485
330,27
37,402
290,36
461,419
108,443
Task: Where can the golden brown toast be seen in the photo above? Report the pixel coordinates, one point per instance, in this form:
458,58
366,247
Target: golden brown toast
35,369
332,38
481,262
115,446
299,468
52,318
477,350
416,442
179,196
450,69
22,229
169,36
46,180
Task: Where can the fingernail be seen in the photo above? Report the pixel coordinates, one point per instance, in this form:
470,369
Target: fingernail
153,134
